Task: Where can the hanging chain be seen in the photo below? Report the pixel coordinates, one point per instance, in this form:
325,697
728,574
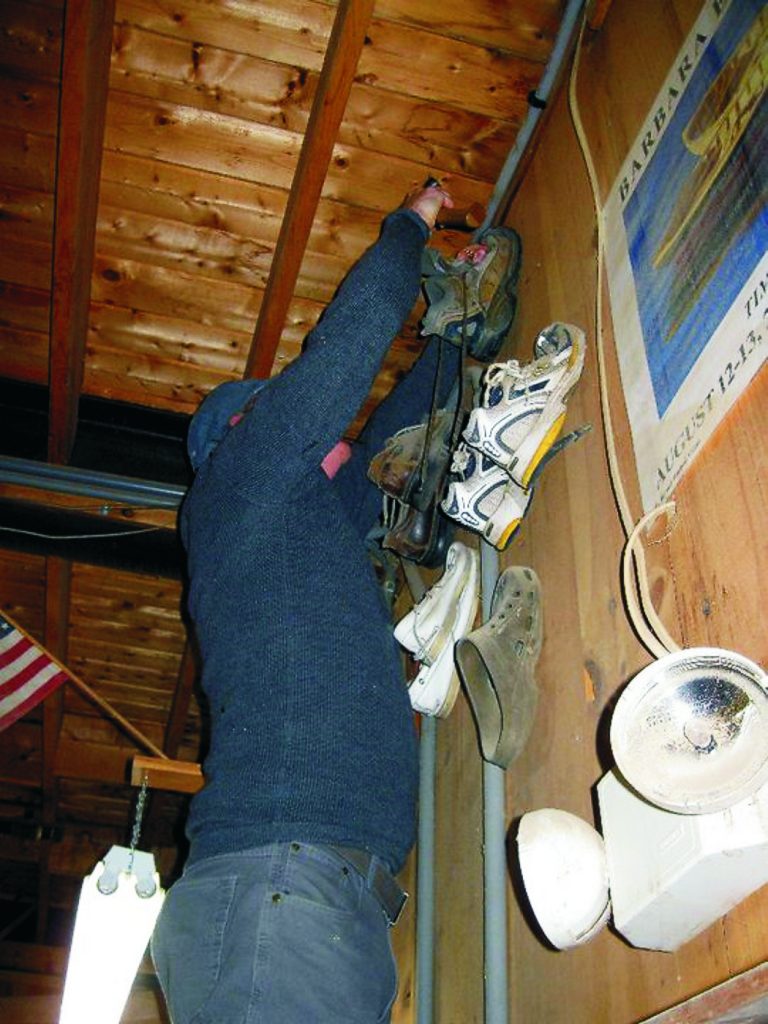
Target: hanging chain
141,799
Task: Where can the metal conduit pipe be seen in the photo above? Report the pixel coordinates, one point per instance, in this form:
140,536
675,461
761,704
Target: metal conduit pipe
46,476
425,869
494,804
494,849
425,879
565,35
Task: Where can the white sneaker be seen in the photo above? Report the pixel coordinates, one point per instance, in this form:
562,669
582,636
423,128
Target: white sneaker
427,626
484,498
435,688
523,407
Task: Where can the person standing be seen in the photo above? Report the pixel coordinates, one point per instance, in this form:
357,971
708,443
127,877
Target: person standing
308,811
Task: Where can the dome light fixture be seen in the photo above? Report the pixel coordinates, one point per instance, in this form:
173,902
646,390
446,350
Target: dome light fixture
563,864
690,731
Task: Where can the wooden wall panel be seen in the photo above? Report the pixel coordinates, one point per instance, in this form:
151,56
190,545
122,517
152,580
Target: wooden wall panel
707,574
459,872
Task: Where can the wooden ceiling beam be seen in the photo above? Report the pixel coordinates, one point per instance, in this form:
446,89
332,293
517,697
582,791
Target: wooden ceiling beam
177,718
58,578
84,82
58,575
339,67
175,776
157,805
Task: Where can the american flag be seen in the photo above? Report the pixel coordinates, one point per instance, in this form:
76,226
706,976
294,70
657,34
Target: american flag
27,673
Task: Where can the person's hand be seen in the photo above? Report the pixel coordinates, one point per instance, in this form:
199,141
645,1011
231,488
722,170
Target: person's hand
427,201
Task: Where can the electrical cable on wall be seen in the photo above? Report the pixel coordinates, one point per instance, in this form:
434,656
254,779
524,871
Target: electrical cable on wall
641,611
102,509
79,536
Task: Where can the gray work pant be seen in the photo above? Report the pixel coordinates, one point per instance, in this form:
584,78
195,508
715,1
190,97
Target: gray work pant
281,934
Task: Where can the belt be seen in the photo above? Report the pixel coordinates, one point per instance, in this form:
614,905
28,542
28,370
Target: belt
381,883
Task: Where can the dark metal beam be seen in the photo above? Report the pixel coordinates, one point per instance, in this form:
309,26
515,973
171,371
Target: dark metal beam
110,487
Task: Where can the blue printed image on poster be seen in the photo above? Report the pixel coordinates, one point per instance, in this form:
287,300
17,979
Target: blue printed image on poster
696,222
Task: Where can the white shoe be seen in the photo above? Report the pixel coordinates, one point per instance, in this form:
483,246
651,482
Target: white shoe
484,498
427,626
435,688
523,407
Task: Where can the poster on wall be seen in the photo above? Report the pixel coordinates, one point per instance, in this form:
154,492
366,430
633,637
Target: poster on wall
685,243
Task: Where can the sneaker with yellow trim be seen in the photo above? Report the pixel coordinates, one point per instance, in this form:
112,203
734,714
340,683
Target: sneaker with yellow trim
523,407
482,497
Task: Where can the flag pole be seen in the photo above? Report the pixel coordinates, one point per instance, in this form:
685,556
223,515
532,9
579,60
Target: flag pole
112,712
91,695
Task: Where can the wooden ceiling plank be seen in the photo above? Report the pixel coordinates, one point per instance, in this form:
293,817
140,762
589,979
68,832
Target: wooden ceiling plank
443,129
267,157
92,762
31,40
525,27
341,60
85,76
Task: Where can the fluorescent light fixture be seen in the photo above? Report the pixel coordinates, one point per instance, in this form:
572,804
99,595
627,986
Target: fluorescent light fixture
119,904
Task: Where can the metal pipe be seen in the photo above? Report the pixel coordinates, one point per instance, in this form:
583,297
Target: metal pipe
538,102
47,476
425,880
494,809
494,849
425,869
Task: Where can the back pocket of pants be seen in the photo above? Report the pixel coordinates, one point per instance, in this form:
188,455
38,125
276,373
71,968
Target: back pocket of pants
188,941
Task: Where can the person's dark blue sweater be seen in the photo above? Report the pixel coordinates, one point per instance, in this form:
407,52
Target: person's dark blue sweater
312,734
